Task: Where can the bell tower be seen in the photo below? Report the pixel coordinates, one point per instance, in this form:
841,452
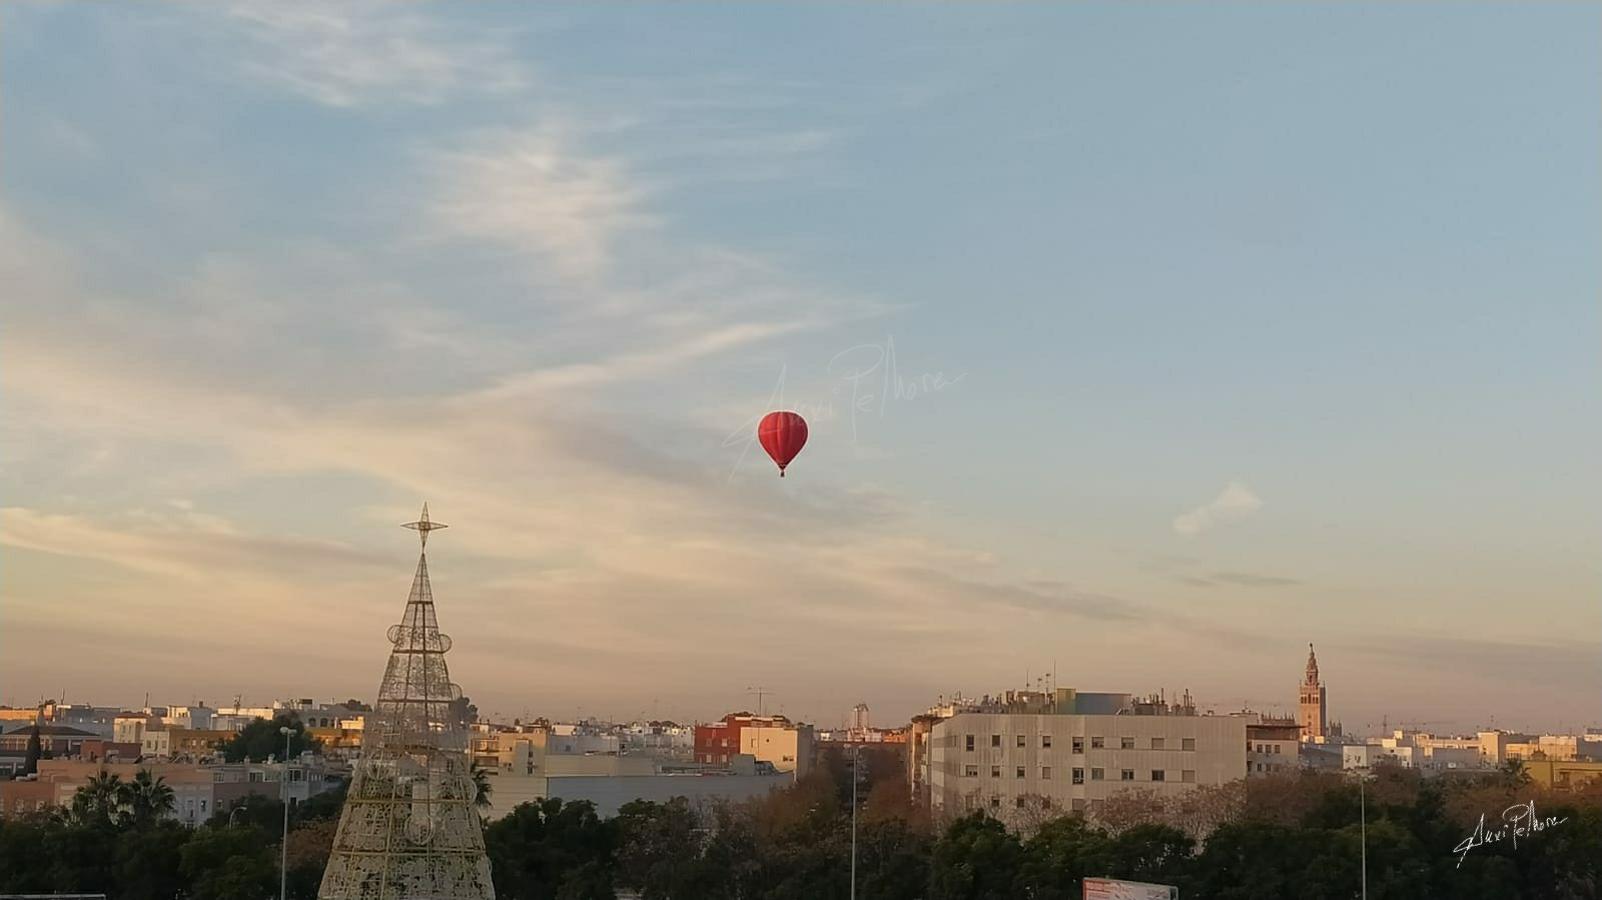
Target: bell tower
1314,718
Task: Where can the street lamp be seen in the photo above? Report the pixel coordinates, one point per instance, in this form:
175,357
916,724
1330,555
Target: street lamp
283,848
856,756
1362,818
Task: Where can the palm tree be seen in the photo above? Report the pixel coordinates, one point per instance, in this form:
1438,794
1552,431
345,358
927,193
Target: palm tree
148,798
1514,773
482,790
100,800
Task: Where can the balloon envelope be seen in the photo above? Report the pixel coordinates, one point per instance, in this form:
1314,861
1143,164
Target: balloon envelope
782,434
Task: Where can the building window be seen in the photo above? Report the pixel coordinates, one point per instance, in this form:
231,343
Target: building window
1079,776
1127,743
1045,742
1187,743
995,771
1079,804
1096,743
1045,803
1156,743
971,772
1020,803
1020,771
1126,775
1022,742
995,740
1188,776
970,743
995,802
1079,745
1097,774
1045,773
1158,775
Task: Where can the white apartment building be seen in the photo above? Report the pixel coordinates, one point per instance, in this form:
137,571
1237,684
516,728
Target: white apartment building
668,740
1009,763
129,728
1428,753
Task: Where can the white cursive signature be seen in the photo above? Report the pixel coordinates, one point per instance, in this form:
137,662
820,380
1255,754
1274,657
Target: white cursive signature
1518,820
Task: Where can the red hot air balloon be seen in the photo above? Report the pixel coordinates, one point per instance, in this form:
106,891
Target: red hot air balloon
782,434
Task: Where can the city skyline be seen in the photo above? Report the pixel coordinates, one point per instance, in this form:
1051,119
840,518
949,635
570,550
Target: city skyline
276,275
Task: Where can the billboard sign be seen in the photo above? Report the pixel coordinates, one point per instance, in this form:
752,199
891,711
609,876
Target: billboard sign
1112,889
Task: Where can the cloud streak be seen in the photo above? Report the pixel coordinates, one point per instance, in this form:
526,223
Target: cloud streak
1233,504
535,192
364,53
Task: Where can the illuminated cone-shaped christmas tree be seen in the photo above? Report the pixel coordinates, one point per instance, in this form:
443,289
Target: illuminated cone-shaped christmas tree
409,830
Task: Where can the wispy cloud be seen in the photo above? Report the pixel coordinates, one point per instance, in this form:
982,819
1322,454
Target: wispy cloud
173,542
1240,579
1234,503
365,52
537,192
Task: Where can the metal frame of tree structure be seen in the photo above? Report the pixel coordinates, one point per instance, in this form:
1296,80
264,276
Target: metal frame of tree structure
409,830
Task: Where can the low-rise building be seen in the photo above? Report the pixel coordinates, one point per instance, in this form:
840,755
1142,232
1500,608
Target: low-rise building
199,790
172,742
1273,745
787,745
663,739
1563,775
58,741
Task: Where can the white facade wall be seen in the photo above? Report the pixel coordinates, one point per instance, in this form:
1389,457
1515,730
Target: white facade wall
157,743
1005,763
1273,758
129,729
1366,756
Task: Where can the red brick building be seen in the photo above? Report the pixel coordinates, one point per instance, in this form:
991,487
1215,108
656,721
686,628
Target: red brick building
718,742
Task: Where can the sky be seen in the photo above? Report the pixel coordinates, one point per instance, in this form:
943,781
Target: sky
1140,344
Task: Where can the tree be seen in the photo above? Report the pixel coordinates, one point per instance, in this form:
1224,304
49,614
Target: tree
976,859
99,802
893,858
230,864
1264,861
30,759
1060,854
149,860
482,789
1160,853
26,850
147,799
261,739
550,850
308,849
323,806
463,712
1514,773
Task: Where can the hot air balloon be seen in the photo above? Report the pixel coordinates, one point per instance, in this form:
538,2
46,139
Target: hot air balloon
782,434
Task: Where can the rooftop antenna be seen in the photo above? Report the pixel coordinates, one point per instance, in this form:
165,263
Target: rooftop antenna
760,692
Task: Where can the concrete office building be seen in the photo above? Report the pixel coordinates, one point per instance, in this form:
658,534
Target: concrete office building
1016,765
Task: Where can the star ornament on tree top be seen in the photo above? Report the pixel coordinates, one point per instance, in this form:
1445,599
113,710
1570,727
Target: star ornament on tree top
423,526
